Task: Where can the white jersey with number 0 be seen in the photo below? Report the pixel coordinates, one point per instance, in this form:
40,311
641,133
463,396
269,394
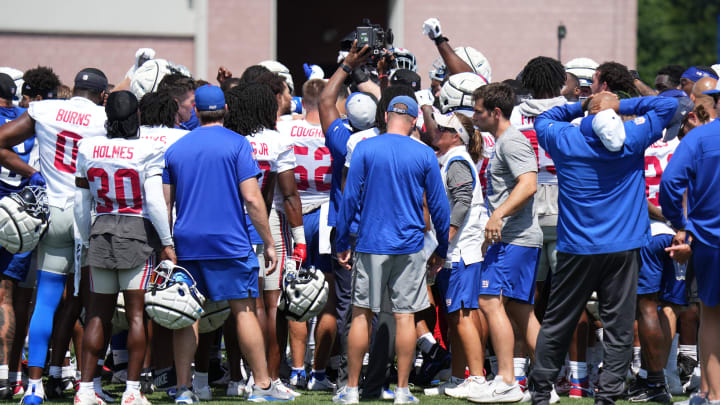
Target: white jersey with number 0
59,127
657,157
116,169
313,168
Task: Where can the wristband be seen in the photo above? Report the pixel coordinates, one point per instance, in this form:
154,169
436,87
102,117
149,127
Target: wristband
383,76
298,234
439,40
346,68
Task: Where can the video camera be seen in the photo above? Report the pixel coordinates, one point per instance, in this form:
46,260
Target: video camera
372,35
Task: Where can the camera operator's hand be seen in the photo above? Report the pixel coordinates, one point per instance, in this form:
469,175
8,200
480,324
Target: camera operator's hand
431,28
356,58
385,63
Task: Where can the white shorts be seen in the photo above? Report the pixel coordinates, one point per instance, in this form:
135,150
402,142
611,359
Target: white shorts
280,230
56,249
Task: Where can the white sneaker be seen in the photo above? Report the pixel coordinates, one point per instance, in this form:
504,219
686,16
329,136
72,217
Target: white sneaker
320,385
204,393
235,389
498,391
345,396
249,384
554,397
440,389
284,388
134,398
87,398
472,386
387,394
273,393
674,385
405,398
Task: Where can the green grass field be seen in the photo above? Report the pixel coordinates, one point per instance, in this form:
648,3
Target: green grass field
219,398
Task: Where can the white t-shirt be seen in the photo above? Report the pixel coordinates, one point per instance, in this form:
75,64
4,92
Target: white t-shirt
116,169
59,127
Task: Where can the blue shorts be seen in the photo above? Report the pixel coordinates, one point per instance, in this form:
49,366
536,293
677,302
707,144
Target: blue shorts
706,262
460,286
657,273
15,266
510,270
311,223
225,279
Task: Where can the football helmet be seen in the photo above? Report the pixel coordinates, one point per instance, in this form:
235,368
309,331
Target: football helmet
438,70
277,67
148,76
216,312
172,299
404,59
23,219
477,61
304,294
583,69
456,93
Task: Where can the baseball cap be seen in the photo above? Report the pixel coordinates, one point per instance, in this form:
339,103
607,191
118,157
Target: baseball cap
412,107
608,126
7,87
91,78
696,74
452,122
685,105
209,98
406,77
360,109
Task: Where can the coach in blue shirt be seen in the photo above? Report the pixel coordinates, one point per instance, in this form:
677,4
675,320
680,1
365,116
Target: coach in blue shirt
388,177
602,224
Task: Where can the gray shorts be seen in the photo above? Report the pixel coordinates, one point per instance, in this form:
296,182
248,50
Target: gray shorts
548,254
56,249
402,277
121,242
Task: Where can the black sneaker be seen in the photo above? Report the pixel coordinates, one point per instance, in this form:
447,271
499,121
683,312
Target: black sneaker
436,360
653,394
637,386
147,383
6,391
54,388
686,366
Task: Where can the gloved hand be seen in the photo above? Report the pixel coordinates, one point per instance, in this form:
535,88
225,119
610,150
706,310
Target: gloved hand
424,97
37,179
431,28
300,254
313,71
143,55
296,105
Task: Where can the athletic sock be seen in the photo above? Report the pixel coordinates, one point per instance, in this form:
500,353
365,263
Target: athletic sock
67,372
403,390
55,371
636,358
39,389
688,350
520,364
132,386
4,372
426,342
201,379
86,387
14,376
578,370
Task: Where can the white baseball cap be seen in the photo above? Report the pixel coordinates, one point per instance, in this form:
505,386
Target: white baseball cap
360,109
452,122
608,126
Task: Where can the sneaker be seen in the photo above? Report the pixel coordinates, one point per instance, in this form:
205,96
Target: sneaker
474,386
30,397
85,398
68,383
387,394
686,366
405,398
695,399
563,386
171,392
6,390
147,385
18,388
105,396
204,393
316,384
637,386
498,391
436,365
554,397
54,388
134,398
652,394
235,389
580,388
693,384
298,378
248,385
186,396
282,387
440,389
672,379
343,396
272,393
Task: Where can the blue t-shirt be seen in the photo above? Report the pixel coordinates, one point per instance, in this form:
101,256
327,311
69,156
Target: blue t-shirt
190,124
11,182
336,140
601,202
387,179
207,166
695,166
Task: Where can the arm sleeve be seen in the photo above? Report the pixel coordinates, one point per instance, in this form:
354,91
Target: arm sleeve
157,209
460,186
350,201
82,212
549,124
438,205
654,114
674,181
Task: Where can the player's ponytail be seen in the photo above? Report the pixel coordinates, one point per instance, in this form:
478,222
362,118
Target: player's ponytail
474,147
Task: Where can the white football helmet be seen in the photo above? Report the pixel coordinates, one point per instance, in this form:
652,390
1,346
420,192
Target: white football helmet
23,219
277,67
119,319
477,61
583,69
438,70
216,312
456,93
148,76
172,299
304,294
404,59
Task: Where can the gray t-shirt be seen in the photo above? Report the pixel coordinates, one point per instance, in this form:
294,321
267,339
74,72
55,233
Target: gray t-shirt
513,156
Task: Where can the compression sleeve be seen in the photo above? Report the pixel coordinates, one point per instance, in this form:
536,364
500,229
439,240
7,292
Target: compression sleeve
82,212
156,208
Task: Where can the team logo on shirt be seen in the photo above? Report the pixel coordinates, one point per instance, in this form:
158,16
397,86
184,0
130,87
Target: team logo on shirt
448,302
639,120
486,284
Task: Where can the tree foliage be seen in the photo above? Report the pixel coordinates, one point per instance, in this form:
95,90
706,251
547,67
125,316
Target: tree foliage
682,32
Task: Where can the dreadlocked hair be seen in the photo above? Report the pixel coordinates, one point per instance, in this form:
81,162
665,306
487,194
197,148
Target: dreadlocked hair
40,81
618,79
252,107
544,77
158,109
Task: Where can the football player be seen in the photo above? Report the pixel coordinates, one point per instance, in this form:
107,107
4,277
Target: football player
58,125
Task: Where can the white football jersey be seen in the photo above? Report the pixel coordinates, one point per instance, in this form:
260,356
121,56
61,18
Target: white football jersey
657,157
526,125
355,138
116,169
59,127
162,135
313,168
274,154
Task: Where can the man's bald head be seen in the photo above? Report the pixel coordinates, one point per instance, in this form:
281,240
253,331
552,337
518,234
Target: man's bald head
702,85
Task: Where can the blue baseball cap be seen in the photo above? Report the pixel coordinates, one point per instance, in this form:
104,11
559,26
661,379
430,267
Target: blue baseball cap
412,107
209,98
696,74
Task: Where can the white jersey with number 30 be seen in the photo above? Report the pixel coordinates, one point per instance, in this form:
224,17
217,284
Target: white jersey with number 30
313,168
116,169
59,127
